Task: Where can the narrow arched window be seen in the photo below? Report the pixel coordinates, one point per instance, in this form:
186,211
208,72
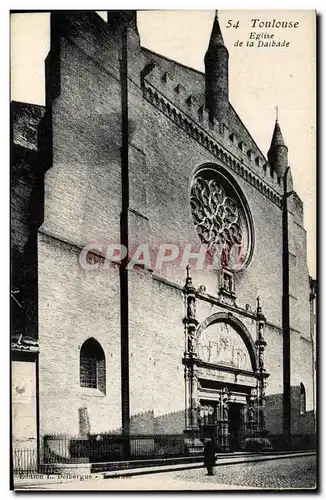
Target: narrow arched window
302,399
92,365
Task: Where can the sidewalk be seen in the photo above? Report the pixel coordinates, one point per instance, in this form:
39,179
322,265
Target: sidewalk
219,461
86,481
137,483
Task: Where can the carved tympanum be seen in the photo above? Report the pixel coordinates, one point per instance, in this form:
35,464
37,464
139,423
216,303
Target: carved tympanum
220,343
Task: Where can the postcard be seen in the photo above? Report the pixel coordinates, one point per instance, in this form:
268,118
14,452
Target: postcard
163,250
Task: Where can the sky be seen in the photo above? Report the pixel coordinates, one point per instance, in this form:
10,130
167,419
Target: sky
259,78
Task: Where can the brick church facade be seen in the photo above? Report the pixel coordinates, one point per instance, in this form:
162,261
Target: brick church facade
135,149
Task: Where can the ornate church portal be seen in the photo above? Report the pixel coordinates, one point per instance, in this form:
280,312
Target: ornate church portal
224,377
222,392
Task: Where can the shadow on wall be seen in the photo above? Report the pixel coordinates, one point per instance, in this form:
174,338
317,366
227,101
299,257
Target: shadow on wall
143,423
302,421
151,436
160,437
30,158
147,423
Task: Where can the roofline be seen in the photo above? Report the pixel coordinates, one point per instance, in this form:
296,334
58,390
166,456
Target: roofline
23,103
244,126
172,60
203,74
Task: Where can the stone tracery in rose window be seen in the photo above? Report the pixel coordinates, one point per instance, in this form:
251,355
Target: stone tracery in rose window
218,220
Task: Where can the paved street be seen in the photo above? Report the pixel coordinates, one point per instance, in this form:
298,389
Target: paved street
296,472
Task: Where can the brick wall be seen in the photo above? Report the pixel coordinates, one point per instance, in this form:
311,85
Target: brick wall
25,204
171,423
274,412
82,204
170,169
73,306
82,188
142,423
300,423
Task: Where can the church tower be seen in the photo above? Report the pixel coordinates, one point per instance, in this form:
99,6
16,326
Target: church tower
278,152
217,75
119,19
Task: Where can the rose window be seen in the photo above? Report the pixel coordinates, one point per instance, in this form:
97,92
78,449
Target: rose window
220,219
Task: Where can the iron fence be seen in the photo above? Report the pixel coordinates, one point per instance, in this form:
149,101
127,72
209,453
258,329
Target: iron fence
25,461
111,447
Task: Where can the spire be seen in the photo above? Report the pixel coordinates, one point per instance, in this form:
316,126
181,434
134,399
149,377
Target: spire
278,152
277,139
216,39
217,75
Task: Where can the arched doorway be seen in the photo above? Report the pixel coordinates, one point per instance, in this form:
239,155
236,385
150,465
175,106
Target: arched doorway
225,378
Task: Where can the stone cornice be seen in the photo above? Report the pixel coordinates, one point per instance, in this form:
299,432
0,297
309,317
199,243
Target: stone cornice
225,368
208,298
218,302
202,137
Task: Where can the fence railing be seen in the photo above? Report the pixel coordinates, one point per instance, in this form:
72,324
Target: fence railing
111,448
24,461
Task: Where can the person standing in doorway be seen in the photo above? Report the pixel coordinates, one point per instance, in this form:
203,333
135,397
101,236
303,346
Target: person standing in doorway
209,456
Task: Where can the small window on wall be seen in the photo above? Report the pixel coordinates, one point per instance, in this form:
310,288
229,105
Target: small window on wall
302,399
92,366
